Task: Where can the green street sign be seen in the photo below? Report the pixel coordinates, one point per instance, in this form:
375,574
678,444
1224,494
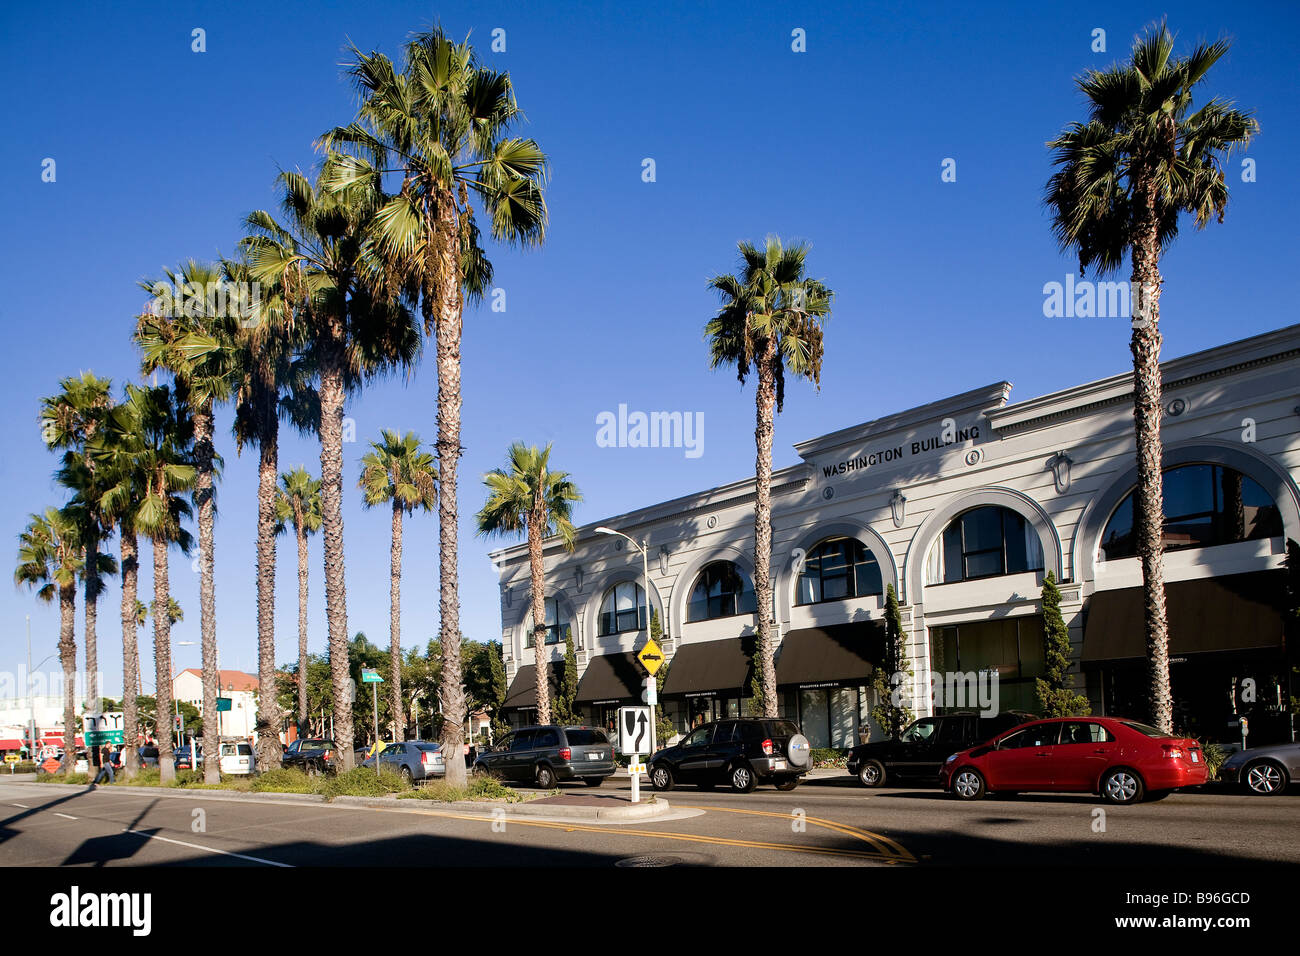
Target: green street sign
371,677
223,704
100,729
96,738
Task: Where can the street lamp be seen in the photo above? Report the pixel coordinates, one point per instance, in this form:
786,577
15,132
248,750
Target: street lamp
31,698
645,570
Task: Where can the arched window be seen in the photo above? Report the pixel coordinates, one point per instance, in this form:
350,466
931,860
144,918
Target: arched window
1204,505
836,569
721,590
983,543
622,609
557,623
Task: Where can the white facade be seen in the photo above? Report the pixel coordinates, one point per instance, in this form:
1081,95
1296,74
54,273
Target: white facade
1062,462
241,688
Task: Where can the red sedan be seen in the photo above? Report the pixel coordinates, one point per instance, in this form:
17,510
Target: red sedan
1122,760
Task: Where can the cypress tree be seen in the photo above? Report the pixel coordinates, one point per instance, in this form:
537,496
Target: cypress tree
895,670
1055,695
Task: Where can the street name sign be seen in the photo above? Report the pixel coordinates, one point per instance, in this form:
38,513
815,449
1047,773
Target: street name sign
103,728
370,677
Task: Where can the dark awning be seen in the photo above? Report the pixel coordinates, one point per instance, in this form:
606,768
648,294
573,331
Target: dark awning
611,677
1232,613
523,689
708,666
838,654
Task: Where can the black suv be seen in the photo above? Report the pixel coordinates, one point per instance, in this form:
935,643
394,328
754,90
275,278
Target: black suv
920,751
741,751
545,755
314,755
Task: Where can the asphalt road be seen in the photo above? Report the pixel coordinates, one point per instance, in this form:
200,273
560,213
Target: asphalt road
827,821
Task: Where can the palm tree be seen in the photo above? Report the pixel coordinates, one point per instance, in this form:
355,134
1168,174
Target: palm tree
50,556
197,345
1142,158
771,322
529,497
151,448
350,332
397,473
69,420
298,504
443,122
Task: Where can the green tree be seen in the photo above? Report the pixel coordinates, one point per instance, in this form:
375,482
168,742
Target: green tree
664,728
771,323
51,555
566,696
895,671
443,123
297,505
531,498
1142,158
1056,696
398,473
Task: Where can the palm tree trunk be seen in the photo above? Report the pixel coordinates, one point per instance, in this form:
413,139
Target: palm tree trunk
765,408
395,623
93,689
204,454
541,658
1149,513
268,751
447,333
68,658
336,605
162,657
130,654
302,623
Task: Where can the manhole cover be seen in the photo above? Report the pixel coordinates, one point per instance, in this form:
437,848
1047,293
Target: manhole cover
649,861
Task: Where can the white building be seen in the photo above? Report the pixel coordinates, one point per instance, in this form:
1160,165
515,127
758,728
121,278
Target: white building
241,719
963,505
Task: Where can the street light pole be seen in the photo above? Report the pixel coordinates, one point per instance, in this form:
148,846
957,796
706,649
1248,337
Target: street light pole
645,576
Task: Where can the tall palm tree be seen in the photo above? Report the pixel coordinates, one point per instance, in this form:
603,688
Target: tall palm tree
771,323
444,124
350,332
397,473
530,497
197,345
1141,158
50,557
70,420
297,504
152,448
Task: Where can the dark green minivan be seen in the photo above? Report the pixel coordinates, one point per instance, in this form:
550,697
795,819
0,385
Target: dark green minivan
546,755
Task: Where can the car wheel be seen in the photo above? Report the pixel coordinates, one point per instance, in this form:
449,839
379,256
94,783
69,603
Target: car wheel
544,776
407,777
871,773
742,778
1265,778
661,778
968,784
1121,786
787,783
593,781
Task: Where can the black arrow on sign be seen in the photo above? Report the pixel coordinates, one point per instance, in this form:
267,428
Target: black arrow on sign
640,731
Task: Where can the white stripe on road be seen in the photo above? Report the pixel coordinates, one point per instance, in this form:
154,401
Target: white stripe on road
66,816
23,805
210,849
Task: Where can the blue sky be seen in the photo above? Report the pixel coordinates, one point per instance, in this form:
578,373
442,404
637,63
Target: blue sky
161,151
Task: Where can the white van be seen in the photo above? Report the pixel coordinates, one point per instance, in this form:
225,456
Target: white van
236,758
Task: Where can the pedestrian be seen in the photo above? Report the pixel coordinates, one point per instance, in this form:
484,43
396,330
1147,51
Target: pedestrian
105,766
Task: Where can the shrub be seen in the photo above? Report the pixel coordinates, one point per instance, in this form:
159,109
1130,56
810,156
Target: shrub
1214,755
24,766
77,778
823,757
145,777
480,787
283,781
363,782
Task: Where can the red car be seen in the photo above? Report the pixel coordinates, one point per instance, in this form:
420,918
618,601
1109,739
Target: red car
1122,760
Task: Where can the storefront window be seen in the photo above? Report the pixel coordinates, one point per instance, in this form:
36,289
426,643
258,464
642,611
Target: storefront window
837,569
721,590
982,543
623,609
1204,505
963,657
557,623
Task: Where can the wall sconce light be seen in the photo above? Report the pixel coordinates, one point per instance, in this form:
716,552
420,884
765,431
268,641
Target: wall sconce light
577,576
505,592
663,559
898,506
1060,465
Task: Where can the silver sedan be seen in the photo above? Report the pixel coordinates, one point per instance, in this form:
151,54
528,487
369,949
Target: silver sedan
414,759
1264,770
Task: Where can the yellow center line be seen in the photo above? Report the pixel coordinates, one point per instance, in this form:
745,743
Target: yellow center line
887,846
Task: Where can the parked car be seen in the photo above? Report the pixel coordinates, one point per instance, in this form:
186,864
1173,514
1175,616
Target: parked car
741,751
1263,770
546,755
148,756
921,749
182,758
414,759
236,758
311,754
1121,760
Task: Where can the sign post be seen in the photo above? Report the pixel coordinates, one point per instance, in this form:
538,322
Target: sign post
651,658
634,733
372,678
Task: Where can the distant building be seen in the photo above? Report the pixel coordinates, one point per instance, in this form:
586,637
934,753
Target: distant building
241,688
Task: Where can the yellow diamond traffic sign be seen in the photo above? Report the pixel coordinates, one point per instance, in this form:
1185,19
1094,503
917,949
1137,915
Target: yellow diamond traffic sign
651,657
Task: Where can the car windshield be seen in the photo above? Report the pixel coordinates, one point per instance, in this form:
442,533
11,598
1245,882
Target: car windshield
1145,729
920,730
585,736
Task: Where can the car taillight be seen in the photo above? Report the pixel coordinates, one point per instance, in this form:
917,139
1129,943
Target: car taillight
566,753
767,747
329,754
1172,751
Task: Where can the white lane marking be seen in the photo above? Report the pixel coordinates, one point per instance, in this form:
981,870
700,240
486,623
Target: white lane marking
66,816
23,805
210,849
